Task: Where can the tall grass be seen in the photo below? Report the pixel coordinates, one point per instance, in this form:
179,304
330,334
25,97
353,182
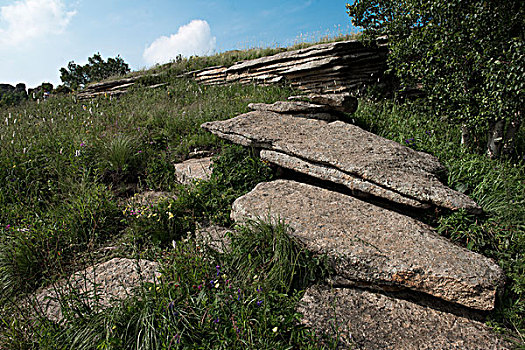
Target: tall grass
65,167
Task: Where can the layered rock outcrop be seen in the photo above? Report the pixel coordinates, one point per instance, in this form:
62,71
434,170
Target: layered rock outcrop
115,87
325,68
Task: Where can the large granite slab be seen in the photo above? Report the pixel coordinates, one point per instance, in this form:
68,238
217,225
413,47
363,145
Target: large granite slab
349,150
375,245
365,320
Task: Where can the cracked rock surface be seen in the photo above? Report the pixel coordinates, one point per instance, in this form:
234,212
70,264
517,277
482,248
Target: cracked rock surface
375,245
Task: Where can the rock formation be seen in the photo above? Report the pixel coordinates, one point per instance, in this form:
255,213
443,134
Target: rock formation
355,178
97,286
113,87
344,66
375,245
363,320
193,169
345,154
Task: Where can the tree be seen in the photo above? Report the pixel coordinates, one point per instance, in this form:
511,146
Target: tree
12,96
76,76
468,56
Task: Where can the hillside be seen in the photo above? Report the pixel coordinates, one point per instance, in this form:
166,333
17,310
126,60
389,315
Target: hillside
93,187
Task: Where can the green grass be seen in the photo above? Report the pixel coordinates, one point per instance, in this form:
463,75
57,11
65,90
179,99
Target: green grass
67,166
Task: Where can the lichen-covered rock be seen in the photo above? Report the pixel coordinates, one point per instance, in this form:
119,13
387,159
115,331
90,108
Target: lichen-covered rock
191,170
375,245
98,286
214,237
365,320
349,150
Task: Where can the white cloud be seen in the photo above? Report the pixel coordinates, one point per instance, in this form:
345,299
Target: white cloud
191,39
31,19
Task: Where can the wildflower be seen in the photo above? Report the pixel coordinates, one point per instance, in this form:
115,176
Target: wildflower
216,320
8,227
82,144
275,329
170,215
259,303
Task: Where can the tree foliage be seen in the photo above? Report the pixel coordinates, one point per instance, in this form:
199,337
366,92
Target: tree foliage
468,56
76,76
12,96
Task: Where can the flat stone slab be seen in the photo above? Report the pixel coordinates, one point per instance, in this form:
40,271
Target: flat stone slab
216,238
375,245
193,170
372,321
298,109
340,102
348,150
108,282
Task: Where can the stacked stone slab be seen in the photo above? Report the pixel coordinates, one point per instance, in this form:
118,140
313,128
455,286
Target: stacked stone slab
345,154
368,246
112,88
326,68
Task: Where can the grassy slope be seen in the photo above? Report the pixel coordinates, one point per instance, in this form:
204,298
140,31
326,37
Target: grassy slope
64,166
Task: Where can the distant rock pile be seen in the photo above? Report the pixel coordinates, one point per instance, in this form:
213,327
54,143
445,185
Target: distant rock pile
326,68
113,87
373,250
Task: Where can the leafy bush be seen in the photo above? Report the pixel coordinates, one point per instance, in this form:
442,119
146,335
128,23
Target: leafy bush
469,57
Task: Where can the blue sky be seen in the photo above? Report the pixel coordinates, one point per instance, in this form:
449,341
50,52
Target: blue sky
37,37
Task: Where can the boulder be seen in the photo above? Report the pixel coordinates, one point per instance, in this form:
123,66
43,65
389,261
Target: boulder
375,245
347,150
364,320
